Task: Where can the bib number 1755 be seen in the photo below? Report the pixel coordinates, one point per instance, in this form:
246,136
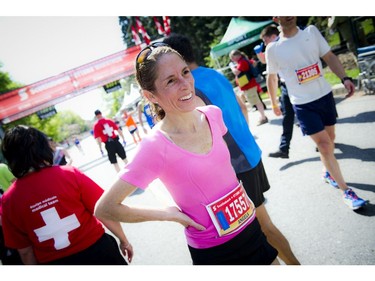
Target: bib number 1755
232,211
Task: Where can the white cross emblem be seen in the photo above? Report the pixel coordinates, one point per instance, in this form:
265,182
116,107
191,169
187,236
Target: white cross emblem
108,130
56,228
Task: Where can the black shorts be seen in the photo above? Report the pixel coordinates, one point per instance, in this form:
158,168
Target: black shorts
314,116
105,251
255,183
250,247
133,131
114,147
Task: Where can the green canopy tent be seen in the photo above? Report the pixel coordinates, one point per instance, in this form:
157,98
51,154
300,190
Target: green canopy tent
239,34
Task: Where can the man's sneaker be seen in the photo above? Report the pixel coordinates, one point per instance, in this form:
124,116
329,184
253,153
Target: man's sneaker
352,200
279,154
329,179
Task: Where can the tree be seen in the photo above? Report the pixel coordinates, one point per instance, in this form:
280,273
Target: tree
204,32
6,83
59,127
148,22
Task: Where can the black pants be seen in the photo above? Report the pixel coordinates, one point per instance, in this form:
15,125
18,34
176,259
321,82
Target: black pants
250,247
105,251
8,256
113,147
288,119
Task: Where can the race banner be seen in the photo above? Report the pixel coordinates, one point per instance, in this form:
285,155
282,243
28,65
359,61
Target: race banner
37,96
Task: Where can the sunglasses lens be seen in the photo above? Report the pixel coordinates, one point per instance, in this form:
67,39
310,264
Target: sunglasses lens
142,56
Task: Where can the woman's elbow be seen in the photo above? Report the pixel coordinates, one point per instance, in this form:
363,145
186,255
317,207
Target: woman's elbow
100,210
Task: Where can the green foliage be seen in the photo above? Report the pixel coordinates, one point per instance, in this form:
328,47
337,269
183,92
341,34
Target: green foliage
148,22
320,22
60,126
334,39
200,30
116,101
368,26
6,83
332,79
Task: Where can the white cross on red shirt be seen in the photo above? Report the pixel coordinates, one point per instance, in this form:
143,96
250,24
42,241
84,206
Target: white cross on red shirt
108,130
56,228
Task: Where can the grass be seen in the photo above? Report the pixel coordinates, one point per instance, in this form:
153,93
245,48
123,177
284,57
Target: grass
332,79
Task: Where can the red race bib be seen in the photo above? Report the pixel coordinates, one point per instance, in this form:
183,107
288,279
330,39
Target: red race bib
232,211
308,73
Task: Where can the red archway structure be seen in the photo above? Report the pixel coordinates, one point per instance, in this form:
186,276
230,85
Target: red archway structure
34,97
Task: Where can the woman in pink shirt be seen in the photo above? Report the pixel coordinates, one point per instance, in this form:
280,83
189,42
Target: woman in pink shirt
192,160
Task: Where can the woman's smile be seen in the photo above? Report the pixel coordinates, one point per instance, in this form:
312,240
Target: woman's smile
187,97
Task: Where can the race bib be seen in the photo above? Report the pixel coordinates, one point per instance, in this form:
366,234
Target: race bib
232,211
308,74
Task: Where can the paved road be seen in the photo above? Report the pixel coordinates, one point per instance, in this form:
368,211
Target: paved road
321,229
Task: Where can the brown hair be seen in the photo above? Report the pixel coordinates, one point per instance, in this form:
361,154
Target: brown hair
147,72
269,31
237,53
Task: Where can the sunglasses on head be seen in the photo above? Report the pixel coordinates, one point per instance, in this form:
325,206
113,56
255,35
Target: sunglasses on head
145,52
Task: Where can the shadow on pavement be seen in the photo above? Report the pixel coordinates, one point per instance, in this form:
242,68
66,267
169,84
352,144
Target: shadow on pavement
291,164
368,210
364,117
339,99
351,151
362,186
93,163
348,152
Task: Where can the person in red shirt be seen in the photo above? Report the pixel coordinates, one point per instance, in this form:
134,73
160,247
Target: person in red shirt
48,212
106,131
250,89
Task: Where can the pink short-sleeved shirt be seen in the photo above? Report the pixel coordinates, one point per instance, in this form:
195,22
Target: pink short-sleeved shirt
193,180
